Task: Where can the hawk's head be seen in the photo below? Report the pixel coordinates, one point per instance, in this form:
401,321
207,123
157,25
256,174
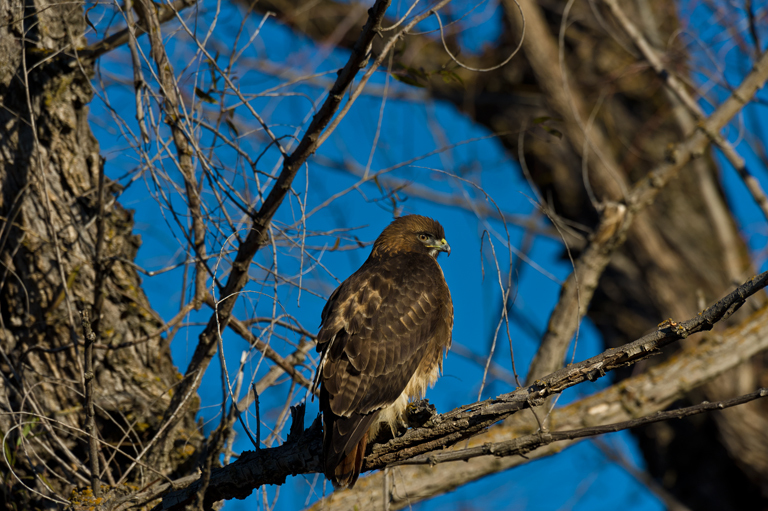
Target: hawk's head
412,233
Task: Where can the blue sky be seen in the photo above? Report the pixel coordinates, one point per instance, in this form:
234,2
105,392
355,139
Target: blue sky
409,128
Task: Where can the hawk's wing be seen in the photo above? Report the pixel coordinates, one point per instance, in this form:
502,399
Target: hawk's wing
377,328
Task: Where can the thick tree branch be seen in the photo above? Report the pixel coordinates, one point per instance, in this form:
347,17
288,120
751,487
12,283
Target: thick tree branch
645,191
302,454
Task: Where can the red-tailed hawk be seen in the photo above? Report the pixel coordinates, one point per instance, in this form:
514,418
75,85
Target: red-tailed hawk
383,334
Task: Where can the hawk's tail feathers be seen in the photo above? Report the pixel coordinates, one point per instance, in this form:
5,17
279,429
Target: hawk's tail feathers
346,473
344,442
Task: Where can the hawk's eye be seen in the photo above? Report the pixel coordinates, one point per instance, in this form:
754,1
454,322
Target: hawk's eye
423,237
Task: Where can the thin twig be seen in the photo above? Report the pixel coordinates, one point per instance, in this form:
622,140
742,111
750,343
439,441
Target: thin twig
90,425
167,13
258,417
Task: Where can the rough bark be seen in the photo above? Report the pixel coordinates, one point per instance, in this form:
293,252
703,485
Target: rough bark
49,174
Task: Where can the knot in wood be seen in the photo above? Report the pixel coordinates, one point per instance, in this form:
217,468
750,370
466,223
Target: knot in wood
594,374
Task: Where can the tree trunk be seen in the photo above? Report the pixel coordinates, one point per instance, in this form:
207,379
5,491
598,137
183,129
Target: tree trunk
49,207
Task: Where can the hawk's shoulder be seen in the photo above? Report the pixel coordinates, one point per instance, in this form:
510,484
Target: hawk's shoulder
395,282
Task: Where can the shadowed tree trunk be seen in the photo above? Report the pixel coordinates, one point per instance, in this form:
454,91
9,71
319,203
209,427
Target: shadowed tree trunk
49,204
682,253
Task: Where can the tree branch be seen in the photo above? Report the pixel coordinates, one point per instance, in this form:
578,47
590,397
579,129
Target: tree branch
165,14
90,424
175,116
302,454
679,89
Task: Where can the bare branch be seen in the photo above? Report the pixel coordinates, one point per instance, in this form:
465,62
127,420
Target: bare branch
167,13
176,118
90,425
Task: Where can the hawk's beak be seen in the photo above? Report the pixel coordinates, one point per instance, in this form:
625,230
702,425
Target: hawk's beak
443,246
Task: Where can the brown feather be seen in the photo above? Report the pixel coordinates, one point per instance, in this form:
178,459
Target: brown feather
347,472
383,334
